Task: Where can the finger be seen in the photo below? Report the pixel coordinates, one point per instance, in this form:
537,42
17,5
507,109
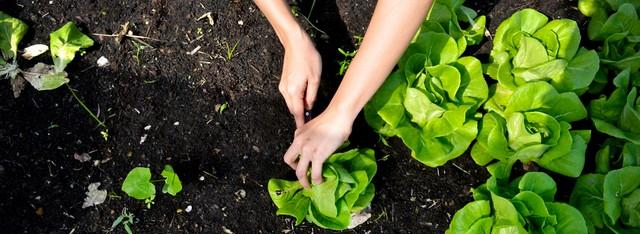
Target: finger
291,155
301,171
316,171
311,92
297,104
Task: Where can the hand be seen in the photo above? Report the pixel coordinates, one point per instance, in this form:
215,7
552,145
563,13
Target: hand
315,142
300,77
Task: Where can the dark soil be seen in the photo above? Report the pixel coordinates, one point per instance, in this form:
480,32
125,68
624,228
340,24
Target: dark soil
217,155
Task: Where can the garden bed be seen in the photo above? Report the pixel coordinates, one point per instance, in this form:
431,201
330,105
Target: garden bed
224,158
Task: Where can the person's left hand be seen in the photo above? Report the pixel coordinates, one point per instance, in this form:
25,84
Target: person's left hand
315,141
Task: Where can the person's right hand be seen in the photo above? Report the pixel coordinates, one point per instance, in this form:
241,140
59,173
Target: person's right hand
300,77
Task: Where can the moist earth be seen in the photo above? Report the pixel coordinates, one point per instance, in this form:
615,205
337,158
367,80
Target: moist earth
172,98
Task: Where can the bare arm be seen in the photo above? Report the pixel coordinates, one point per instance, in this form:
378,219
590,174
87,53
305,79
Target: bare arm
392,26
302,64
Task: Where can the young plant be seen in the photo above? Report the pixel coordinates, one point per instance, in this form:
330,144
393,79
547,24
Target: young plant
126,219
533,126
430,102
138,184
525,205
346,189
529,48
11,32
619,114
347,56
610,202
230,50
64,43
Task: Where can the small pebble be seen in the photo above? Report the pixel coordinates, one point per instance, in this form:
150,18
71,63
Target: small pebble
176,123
188,209
201,178
146,128
241,193
102,62
40,211
240,22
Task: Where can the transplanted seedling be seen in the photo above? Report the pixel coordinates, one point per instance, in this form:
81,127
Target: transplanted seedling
126,219
348,56
230,50
138,184
64,44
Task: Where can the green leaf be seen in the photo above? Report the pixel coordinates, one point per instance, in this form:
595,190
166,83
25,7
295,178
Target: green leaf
579,73
526,20
65,42
283,191
617,186
297,207
539,183
11,32
506,216
587,197
339,222
172,184
138,184
420,108
323,195
568,35
569,218
468,216
531,52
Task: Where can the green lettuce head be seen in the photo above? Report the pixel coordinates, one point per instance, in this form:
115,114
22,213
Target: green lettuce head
533,126
430,102
610,203
529,48
619,114
525,205
346,189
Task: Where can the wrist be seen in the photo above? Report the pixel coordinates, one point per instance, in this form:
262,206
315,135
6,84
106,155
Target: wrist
345,111
296,39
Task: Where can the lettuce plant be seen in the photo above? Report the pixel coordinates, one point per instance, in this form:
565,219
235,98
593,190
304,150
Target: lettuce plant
615,24
528,47
347,189
430,102
533,126
11,32
525,205
64,43
446,16
610,202
619,114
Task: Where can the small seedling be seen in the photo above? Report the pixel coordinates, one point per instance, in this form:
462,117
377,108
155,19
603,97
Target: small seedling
139,47
126,219
230,50
348,56
223,107
138,184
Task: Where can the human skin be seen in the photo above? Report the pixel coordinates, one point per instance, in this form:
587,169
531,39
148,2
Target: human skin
392,27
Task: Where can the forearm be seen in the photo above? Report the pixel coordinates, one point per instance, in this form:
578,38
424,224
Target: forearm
279,15
392,26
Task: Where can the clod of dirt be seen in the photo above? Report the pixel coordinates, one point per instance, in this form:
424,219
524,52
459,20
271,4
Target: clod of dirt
84,157
94,195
